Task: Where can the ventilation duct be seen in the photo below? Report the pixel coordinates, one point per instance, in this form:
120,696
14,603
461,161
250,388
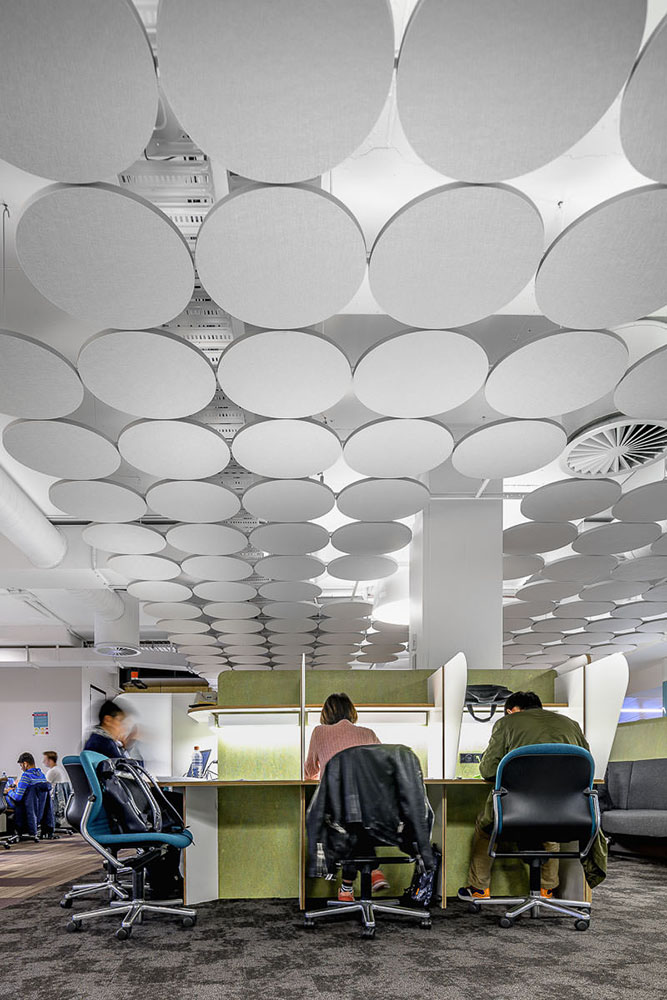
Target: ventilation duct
119,637
26,527
107,604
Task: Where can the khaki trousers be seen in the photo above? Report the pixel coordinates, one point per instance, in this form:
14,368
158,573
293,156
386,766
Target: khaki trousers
479,873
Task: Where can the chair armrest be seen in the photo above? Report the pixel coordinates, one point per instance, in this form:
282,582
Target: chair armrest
497,795
592,793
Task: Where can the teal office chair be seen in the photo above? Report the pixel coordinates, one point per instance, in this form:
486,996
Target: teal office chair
96,830
543,792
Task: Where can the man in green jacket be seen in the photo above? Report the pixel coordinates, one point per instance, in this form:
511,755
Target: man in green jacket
525,723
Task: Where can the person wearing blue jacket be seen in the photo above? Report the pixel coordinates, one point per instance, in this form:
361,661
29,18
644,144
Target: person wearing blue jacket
30,776
106,738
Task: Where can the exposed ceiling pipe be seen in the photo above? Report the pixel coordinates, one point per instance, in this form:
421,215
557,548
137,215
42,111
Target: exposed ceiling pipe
106,603
26,526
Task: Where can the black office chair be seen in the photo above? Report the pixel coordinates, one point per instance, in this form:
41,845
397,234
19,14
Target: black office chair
543,792
3,810
348,824
117,882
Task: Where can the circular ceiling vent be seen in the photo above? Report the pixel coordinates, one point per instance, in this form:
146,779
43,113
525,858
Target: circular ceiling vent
115,649
614,447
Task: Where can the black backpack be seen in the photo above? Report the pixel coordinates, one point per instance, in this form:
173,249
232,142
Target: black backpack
421,891
485,696
127,798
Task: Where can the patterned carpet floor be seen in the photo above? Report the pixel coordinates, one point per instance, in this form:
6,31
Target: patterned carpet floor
258,950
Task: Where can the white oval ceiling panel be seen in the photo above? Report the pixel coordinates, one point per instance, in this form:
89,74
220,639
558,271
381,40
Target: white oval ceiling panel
159,590
658,593
291,640
508,448
347,609
598,652
174,449
640,609
608,539
583,609
643,133
557,625
611,590
288,500
237,625
124,539
35,381
284,373
281,257
218,590
229,609
202,651
557,373
147,373
382,499
645,503
537,536
420,373
291,625
241,639
144,567
527,639
207,539
341,639
659,547
105,256
371,538
612,625
641,392
193,501
346,625
609,266
402,447
647,568
290,567
97,500
517,625
492,90
286,449
362,567
291,609
456,255
300,87
165,609
61,448
518,567
191,639
579,569
186,627
290,591
570,499
90,110
527,608
378,658
289,539
221,568
636,638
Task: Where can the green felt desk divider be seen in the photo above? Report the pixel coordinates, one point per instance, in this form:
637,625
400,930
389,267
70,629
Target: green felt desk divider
643,740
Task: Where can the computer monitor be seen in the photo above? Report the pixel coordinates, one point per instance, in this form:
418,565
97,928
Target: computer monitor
205,754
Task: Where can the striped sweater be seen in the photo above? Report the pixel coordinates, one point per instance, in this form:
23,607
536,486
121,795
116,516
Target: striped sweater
31,776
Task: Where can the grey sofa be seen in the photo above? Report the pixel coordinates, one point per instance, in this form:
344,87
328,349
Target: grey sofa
634,805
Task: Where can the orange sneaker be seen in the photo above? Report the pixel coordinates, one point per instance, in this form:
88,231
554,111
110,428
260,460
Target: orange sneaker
378,880
547,893
468,892
345,895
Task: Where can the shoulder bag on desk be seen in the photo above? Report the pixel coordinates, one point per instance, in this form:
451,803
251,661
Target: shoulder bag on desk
485,696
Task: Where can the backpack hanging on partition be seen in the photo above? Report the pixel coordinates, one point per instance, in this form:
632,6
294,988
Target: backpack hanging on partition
488,696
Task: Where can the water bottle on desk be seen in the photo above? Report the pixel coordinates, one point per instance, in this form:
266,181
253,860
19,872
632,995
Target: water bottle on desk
197,763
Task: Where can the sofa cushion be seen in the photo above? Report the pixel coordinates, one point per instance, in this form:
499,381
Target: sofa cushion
617,784
635,822
648,785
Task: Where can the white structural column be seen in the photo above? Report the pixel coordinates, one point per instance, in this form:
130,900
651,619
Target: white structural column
456,583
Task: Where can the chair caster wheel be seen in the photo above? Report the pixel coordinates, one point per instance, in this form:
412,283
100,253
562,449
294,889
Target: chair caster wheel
66,903
123,933
189,921
582,925
368,932
307,922
474,908
505,922
73,926
425,923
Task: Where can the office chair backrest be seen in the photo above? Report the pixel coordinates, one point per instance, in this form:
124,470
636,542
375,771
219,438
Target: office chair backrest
35,808
3,800
98,824
80,791
545,794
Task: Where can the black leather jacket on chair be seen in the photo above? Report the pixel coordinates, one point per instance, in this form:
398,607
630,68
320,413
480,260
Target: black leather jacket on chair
379,788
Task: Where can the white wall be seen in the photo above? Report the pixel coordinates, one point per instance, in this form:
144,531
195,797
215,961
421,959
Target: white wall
186,734
24,690
167,734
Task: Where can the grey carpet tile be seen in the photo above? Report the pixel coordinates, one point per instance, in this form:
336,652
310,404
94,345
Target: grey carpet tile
258,950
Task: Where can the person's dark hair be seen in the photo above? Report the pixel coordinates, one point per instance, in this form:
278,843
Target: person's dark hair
523,700
51,755
110,708
336,708
26,758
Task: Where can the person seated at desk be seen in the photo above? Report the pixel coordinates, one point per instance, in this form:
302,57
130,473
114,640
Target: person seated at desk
15,791
107,737
338,731
525,722
55,774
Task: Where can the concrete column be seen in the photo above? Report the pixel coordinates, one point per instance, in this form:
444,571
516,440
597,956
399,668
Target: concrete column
456,583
